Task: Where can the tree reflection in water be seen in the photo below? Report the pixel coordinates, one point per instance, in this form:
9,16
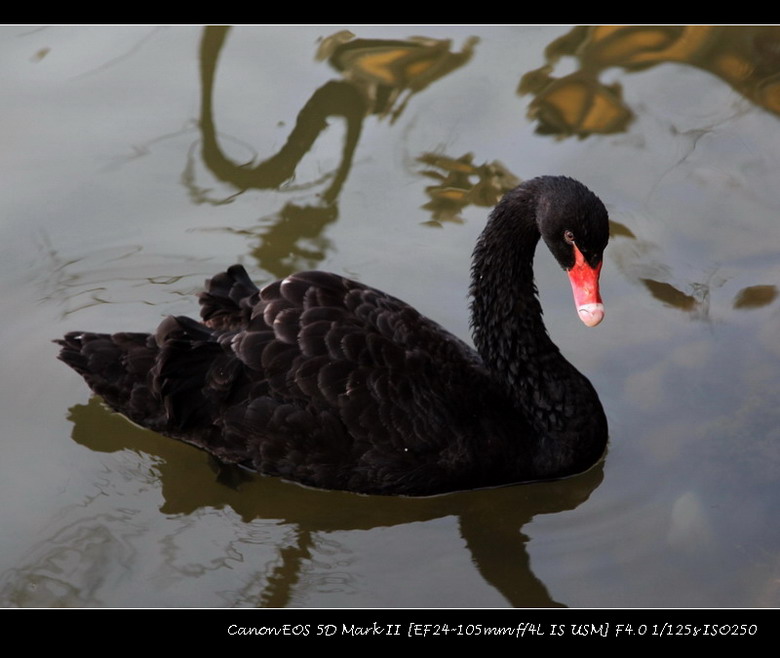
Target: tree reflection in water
379,78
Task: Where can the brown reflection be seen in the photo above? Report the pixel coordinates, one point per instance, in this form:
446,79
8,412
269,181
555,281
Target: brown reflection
577,104
755,297
388,71
617,229
332,99
671,296
747,58
461,183
698,303
292,239
694,298
379,78
490,520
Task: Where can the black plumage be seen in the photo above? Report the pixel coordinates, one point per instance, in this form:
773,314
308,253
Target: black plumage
322,380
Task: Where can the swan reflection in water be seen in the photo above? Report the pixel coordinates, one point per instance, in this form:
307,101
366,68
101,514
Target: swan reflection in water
286,536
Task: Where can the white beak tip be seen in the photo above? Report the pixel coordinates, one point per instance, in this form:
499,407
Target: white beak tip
591,314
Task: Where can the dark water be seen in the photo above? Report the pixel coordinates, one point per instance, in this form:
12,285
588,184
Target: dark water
137,161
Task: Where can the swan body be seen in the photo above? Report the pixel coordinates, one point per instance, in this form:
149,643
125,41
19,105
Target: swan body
331,383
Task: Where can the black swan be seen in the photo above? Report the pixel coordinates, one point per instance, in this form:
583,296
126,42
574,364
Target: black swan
336,385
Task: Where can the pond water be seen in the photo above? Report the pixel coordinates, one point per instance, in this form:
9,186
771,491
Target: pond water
138,161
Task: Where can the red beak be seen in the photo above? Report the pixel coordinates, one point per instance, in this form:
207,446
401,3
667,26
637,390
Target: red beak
585,285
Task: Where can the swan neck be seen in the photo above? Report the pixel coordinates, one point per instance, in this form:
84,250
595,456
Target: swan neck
506,315
555,399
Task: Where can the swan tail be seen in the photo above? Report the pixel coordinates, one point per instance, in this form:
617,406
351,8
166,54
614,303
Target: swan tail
156,380
116,367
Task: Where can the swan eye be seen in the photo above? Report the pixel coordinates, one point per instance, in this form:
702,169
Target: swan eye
568,236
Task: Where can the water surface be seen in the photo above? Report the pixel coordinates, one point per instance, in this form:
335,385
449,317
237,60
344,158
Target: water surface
138,161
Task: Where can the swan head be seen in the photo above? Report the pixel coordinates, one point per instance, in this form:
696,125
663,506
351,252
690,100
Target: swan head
574,224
